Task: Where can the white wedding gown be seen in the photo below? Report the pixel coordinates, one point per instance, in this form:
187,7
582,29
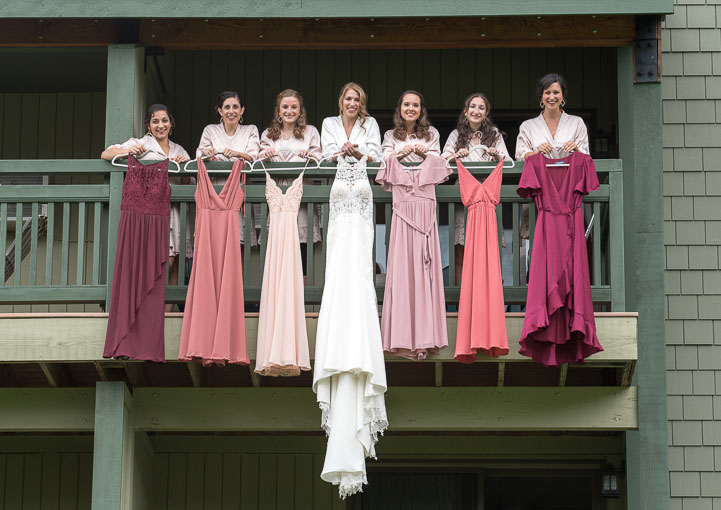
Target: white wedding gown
349,378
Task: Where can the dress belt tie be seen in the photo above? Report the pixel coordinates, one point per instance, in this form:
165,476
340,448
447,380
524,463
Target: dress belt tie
427,234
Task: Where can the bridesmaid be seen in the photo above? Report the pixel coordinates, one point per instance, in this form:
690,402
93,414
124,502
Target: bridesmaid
413,136
474,127
156,145
353,133
229,139
553,126
290,138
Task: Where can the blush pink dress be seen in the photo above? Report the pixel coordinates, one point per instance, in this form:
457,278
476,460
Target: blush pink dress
559,326
481,311
414,305
214,320
282,336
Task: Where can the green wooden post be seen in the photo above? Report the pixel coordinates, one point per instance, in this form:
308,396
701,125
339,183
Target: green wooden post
123,119
114,447
640,125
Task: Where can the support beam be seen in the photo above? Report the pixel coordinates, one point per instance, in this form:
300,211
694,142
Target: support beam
114,448
124,112
411,409
640,126
47,409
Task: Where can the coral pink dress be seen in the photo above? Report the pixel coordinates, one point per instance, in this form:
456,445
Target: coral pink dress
414,305
282,336
214,320
559,326
481,311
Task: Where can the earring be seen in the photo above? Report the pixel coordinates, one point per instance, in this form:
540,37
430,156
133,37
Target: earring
240,119
148,133
280,119
563,103
467,122
542,105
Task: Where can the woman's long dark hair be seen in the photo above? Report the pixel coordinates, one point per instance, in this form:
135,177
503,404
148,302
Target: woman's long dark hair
158,108
222,98
489,131
275,128
421,128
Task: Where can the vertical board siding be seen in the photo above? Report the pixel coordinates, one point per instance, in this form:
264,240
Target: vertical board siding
445,77
52,125
47,481
224,481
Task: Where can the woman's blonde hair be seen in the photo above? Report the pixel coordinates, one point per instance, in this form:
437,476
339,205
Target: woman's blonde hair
275,128
362,111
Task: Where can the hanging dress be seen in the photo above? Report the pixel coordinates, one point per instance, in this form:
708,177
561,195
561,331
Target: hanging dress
559,326
481,311
214,322
414,307
136,319
349,377
282,338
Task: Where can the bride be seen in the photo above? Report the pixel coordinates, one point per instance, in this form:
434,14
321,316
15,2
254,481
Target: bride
349,377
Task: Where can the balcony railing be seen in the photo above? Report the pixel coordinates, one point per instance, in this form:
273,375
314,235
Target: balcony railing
59,239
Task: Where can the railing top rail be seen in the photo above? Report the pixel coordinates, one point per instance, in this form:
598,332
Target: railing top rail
99,166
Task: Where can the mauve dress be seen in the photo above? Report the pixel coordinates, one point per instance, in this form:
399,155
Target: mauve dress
214,321
414,306
481,311
136,320
559,326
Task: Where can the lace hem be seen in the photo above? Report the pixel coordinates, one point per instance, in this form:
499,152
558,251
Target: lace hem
351,483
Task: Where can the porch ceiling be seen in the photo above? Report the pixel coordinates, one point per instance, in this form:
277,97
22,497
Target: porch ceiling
347,32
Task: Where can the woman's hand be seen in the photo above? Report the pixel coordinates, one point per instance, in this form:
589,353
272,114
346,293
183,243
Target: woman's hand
494,152
230,153
570,146
180,158
421,150
350,149
268,153
137,150
303,154
462,153
210,152
546,148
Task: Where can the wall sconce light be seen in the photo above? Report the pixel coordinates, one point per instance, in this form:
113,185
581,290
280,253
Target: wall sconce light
609,482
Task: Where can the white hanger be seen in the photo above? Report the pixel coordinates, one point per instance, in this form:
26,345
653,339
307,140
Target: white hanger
339,153
125,165
557,163
489,167
204,158
308,159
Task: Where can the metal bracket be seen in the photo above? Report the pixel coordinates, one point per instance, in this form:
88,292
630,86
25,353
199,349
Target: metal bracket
647,50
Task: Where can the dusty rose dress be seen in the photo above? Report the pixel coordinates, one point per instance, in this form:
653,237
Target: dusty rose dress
559,326
136,320
282,336
414,307
481,312
214,320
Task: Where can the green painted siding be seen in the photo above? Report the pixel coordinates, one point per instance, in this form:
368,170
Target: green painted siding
266,481
48,480
692,184
445,77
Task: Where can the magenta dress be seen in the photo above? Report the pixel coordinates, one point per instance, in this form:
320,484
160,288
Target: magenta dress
414,306
559,326
214,319
136,320
481,310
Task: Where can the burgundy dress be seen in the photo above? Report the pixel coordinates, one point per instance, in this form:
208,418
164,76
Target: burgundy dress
559,326
136,322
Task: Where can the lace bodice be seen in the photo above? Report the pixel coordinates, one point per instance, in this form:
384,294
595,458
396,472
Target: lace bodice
146,188
351,192
279,201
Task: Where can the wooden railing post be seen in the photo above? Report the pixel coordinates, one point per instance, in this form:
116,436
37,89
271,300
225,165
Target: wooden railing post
617,271
123,120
